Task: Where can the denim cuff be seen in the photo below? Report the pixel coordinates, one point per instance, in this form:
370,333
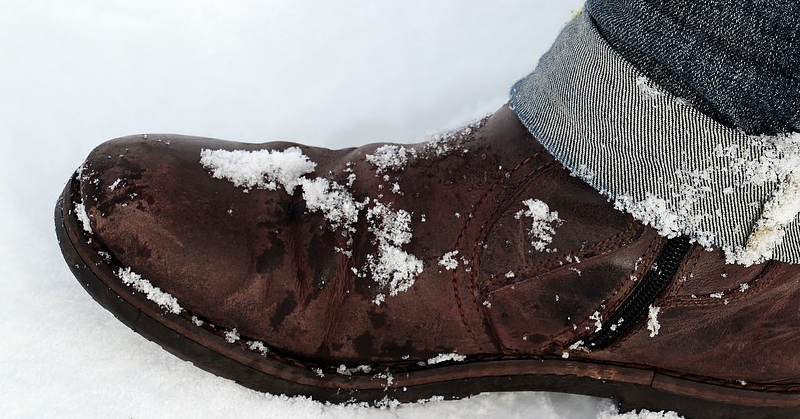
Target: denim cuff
659,158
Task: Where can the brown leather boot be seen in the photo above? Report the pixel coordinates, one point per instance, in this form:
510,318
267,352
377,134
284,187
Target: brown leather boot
473,262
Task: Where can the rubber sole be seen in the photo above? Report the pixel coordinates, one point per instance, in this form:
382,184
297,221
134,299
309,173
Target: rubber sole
206,346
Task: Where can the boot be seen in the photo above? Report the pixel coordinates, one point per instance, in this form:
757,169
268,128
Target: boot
469,263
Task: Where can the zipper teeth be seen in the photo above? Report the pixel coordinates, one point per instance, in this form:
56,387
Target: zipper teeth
654,283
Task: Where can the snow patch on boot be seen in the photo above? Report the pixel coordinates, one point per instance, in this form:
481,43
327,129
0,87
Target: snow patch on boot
652,320
154,294
449,261
334,201
264,169
446,357
392,267
544,223
391,157
83,217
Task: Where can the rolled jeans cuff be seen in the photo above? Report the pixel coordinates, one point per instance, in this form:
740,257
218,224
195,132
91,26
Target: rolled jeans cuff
659,158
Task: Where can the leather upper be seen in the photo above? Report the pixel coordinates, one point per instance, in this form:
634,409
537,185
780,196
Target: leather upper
501,276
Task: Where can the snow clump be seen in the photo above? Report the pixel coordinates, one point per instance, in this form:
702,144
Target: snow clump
391,157
335,202
392,267
154,294
543,224
447,357
83,217
265,169
652,320
449,261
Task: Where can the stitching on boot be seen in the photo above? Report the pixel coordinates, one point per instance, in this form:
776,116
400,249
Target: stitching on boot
683,275
461,235
761,281
633,230
626,287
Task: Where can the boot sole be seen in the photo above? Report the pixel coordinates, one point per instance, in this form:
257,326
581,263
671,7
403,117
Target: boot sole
632,387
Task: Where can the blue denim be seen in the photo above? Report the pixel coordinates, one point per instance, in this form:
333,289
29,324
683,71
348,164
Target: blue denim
737,61
684,113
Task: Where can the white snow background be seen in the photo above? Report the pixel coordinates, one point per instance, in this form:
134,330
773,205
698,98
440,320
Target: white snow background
331,73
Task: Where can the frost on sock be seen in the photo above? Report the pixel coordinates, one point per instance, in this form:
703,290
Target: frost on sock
154,294
265,169
733,170
543,223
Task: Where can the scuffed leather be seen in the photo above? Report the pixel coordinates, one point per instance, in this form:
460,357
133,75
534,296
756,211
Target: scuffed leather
260,262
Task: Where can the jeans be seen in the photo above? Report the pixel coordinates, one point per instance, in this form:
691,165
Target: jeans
736,61
686,114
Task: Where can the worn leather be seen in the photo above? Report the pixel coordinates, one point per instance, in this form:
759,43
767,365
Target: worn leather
259,261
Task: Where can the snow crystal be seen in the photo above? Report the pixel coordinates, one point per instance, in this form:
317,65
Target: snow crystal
392,267
717,295
264,169
232,336
510,274
197,321
154,294
576,346
387,375
335,202
598,321
648,88
83,217
443,143
744,287
669,223
390,157
446,357
543,220
114,185
449,261
652,320
565,354
343,370
583,172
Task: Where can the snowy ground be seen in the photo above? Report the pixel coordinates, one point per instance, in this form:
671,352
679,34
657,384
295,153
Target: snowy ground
332,73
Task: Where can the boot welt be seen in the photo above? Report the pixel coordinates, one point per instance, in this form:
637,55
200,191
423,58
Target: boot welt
632,386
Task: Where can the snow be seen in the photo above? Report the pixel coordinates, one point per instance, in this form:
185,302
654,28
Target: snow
265,169
83,217
652,320
449,261
392,267
446,357
773,160
315,71
391,157
154,294
543,223
335,201
232,336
